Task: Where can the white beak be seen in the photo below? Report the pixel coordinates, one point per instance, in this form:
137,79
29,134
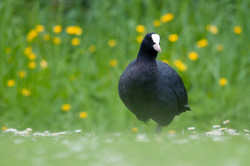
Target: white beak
157,47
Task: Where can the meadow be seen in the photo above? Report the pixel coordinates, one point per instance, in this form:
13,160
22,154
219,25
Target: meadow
60,63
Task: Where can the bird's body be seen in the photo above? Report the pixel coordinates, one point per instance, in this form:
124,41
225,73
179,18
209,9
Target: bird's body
151,89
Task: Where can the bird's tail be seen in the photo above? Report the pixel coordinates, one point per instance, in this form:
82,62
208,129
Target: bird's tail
187,107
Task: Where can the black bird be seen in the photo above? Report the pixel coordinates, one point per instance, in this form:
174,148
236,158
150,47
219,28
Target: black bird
151,89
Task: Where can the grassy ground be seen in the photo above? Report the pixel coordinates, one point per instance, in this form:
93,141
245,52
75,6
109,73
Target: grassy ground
125,149
61,62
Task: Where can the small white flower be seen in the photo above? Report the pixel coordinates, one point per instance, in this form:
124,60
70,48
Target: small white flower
216,126
247,131
78,131
226,121
29,129
191,128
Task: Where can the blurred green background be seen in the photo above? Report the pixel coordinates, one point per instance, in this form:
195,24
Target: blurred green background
60,61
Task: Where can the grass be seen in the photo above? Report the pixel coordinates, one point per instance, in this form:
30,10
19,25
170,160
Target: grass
85,76
125,149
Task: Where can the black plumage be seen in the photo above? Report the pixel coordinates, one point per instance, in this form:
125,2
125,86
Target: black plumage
151,89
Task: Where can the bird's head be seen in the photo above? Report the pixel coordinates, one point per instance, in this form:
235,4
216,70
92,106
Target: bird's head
151,43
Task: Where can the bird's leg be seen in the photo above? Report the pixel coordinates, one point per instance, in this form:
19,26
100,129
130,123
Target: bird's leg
158,129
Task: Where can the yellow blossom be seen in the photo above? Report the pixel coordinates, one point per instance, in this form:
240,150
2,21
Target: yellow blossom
25,92
22,74
46,37
134,129
39,28
219,47
75,41
171,132
180,65
74,30
66,107
43,63
78,30
4,128
139,38
31,35
223,82
113,63
193,56
212,28
140,28
202,43
157,23
83,115
57,40
11,83
92,48
7,50
70,30
237,30
28,50
112,43
32,56
165,61
57,29
32,65
173,37
167,17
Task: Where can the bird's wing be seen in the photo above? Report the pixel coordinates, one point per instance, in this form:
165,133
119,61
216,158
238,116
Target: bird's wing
171,83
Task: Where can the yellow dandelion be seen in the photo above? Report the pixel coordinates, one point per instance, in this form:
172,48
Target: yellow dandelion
193,56
134,129
83,115
92,48
173,37
111,43
25,92
139,38
202,43
165,61
57,40
113,63
75,41
32,56
46,37
7,50
213,29
237,30
223,82
39,28
43,64
4,128
171,132
140,28
22,74
78,30
219,47
32,65
180,65
57,29
31,35
66,107
28,50
70,30
157,23
11,83
167,17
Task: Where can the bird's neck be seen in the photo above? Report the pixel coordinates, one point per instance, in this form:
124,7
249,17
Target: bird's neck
146,56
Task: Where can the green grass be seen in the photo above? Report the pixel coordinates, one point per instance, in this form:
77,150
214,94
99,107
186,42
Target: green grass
125,149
